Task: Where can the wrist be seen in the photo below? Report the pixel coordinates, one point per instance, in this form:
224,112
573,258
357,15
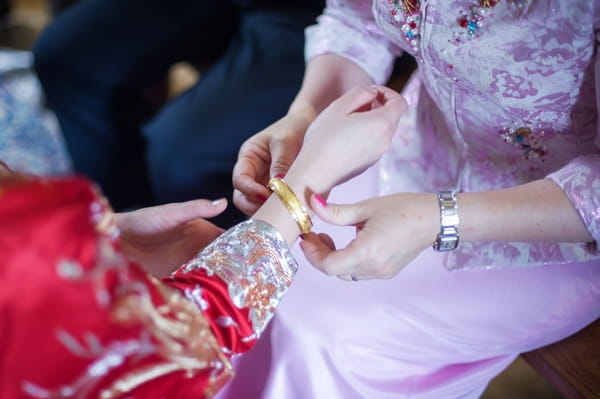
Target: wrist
303,112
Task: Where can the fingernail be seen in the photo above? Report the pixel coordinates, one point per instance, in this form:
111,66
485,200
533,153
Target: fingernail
217,202
320,200
373,89
261,198
280,175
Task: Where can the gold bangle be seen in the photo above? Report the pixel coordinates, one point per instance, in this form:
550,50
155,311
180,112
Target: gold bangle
291,202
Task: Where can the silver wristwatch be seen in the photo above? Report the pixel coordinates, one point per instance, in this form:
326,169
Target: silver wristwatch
447,239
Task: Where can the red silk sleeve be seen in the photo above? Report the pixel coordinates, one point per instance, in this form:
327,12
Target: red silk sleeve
77,319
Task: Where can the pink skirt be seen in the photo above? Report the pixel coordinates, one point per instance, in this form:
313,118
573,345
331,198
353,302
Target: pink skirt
427,333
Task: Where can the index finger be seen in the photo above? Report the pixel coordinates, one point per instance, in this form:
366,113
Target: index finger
329,260
390,104
245,204
245,180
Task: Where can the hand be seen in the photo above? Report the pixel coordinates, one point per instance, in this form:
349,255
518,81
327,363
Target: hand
349,136
163,237
391,231
266,154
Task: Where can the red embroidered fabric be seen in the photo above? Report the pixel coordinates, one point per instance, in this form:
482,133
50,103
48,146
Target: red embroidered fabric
79,320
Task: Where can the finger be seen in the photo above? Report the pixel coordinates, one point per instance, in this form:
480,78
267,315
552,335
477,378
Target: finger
167,216
315,250
345,277
283,153
248,205
329,260
327,240
390,105
340,215
321,237
201,208
248,180
356,99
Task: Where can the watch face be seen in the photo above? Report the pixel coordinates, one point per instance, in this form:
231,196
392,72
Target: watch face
445,243
448,245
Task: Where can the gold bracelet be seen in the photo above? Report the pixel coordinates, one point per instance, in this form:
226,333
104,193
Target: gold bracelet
291,202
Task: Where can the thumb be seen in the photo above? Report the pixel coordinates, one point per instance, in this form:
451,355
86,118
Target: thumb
341,215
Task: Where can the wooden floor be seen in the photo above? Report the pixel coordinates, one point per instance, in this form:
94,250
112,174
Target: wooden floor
519,381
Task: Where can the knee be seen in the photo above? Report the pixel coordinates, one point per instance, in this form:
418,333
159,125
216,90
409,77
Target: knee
60,52
49,54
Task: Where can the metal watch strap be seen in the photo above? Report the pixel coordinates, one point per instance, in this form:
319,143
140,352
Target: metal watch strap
447,239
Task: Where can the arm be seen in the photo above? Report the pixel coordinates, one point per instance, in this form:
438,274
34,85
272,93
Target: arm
272,151
359,56
535,212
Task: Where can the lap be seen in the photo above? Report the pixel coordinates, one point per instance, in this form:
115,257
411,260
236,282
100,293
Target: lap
428,332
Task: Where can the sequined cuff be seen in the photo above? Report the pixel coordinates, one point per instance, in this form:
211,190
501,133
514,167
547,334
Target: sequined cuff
580,180
253,259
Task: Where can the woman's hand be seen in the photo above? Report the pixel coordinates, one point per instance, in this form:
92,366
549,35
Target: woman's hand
391,231
163,237
346,138
266,154
349,136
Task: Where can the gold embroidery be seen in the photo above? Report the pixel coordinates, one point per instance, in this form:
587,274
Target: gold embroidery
183,334
489,3
251,260
258,298
410,6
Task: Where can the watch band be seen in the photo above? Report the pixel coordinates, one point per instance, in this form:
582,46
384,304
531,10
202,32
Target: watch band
447,239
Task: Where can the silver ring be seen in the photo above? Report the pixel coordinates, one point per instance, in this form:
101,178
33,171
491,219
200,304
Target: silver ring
353,278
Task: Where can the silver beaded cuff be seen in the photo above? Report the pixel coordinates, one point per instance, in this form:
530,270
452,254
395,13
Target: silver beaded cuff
255,262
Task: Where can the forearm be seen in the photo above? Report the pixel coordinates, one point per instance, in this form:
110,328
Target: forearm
327,77
534,212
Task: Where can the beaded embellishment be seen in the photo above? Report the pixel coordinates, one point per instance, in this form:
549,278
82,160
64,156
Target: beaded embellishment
473,20
408,13
527,139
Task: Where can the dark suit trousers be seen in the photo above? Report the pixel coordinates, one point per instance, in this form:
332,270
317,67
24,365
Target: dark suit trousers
100,61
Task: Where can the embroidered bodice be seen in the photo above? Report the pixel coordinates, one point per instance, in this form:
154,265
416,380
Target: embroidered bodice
504,95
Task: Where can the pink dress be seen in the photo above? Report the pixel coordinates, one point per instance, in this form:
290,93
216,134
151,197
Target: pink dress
504,95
